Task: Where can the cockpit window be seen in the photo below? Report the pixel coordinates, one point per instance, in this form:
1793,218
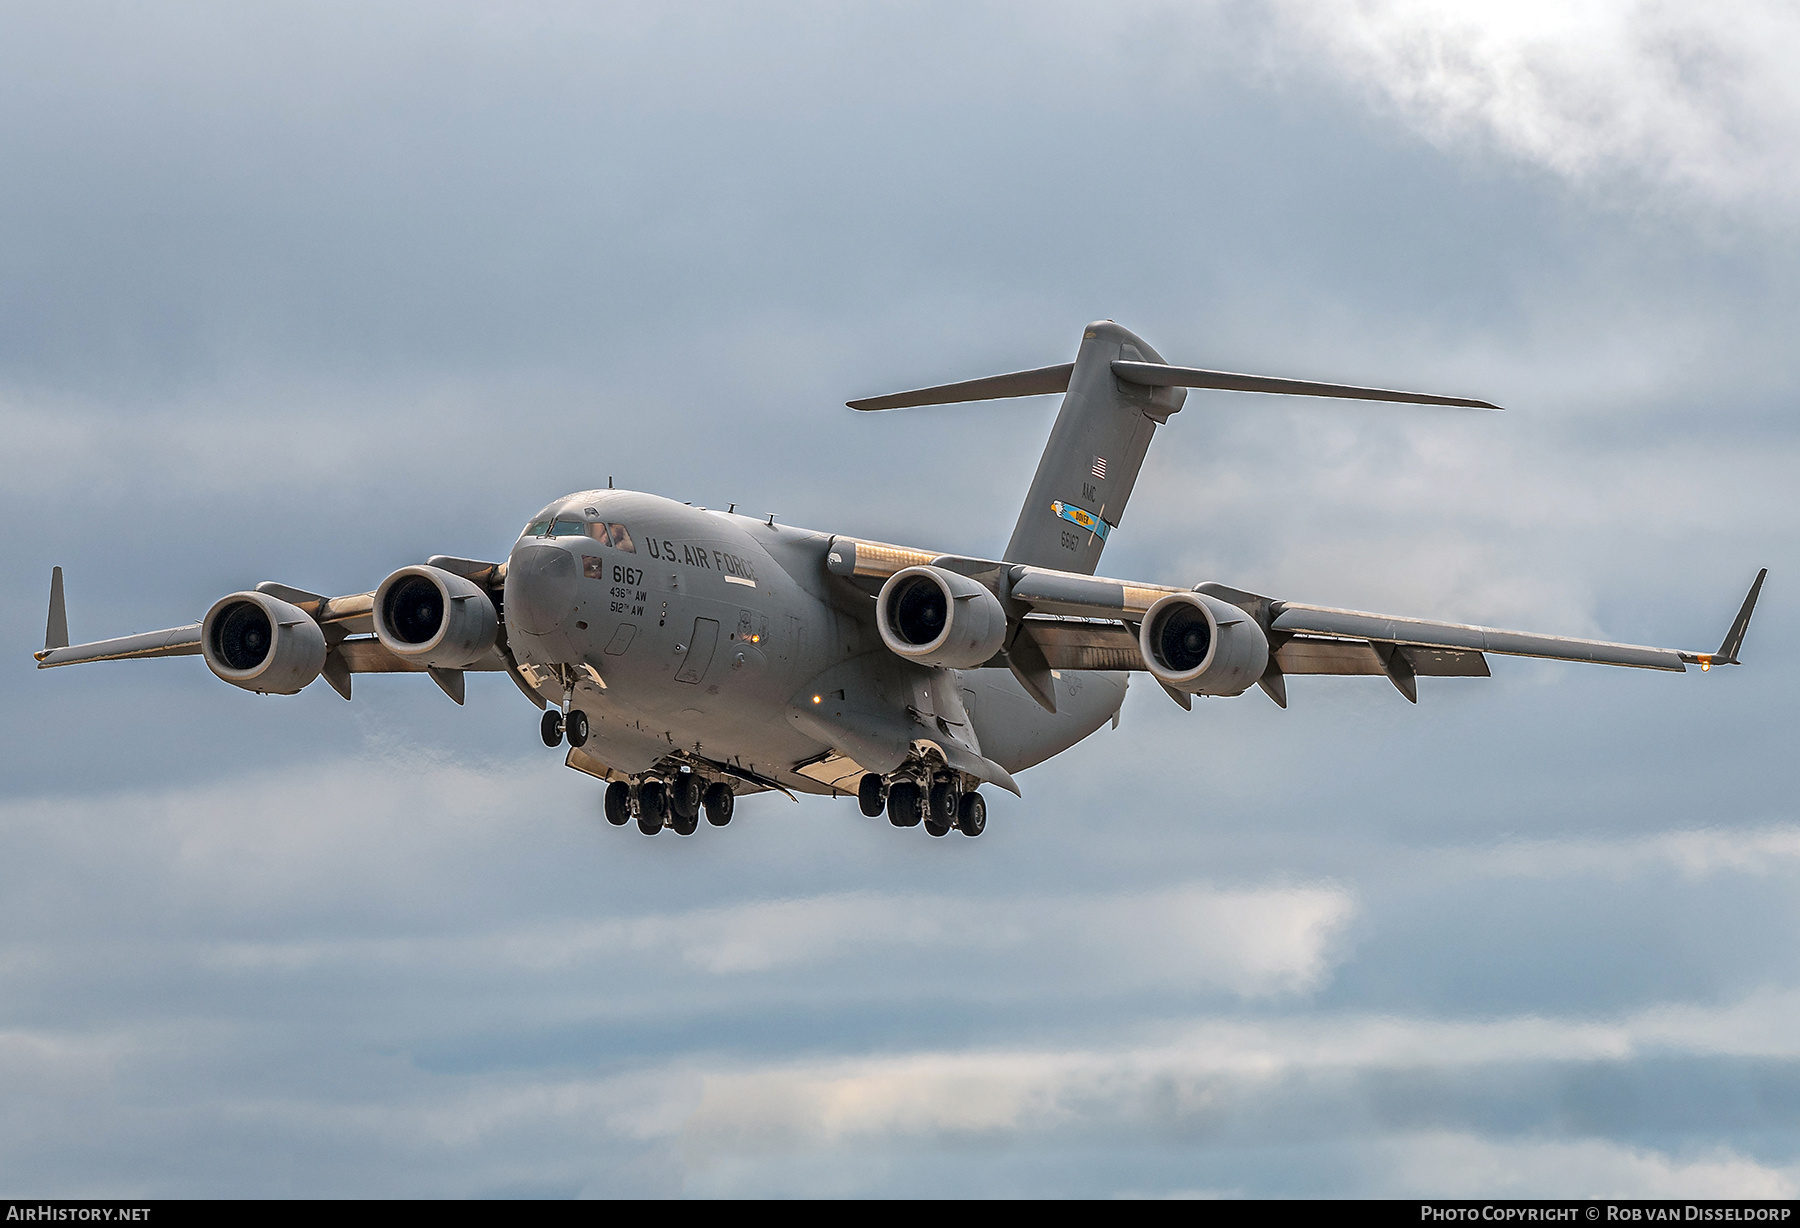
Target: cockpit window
614,535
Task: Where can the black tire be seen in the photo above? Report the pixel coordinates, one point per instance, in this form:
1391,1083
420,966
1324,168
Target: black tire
971,815
684,798
935,828
576,726
871,795
551,727
719,803
944,797
618,803
903,809
653,807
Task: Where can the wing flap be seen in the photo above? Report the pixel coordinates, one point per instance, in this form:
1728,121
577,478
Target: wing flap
1314,655
1077,644
174,642
1414,632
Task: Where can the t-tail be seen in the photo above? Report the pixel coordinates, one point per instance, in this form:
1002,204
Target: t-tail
1116,393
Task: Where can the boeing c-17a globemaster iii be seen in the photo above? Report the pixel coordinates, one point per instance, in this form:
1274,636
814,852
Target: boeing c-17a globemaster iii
689,656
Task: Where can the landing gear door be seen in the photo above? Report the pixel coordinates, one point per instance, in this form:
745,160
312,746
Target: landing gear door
701,646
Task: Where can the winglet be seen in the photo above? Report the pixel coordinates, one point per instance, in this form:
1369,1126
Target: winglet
1734,638
56,629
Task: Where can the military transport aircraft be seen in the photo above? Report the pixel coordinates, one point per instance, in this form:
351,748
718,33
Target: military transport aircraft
688,656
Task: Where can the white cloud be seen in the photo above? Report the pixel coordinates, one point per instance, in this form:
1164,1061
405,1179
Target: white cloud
1465,1166
1213,1069
1697,102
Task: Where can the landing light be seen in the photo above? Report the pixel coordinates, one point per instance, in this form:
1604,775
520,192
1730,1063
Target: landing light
818,699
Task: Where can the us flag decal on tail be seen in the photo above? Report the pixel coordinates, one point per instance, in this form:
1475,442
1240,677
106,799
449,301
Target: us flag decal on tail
1100,466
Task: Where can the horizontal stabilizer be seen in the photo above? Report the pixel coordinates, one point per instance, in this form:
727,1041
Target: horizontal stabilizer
1157,375
1039,382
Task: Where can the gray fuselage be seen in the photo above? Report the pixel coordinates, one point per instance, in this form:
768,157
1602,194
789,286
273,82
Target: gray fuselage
688,631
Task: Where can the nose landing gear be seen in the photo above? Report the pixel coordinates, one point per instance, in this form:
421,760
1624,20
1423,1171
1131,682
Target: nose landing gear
552,728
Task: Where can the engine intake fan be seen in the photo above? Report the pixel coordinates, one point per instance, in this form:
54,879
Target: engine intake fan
1201,645
937,617
261,643
434,617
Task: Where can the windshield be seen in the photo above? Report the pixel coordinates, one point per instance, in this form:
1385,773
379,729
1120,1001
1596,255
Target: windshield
615,535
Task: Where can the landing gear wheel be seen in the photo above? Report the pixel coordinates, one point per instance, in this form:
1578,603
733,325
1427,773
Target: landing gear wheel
684,804
684,799
618,803
934,827
653,807
971,815
903,804
944,797
719,802
871,794
552,727
577,727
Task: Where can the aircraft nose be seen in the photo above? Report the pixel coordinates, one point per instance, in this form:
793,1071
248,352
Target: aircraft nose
540,588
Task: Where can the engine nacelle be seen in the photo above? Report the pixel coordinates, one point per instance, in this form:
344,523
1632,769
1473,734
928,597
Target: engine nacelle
434,617
1201,645
262,644
937,617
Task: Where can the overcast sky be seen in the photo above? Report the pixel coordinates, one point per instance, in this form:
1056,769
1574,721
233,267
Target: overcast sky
312,292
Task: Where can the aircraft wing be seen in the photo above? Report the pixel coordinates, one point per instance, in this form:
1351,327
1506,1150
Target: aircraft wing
1081,622
347,621
1076,622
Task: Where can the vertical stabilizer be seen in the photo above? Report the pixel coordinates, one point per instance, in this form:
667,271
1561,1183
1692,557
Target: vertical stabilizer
1101,435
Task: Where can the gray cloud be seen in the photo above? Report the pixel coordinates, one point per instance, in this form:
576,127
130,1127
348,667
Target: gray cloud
309,294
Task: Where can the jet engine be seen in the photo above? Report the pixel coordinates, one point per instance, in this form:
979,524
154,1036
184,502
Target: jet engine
434,617
1195,643
937,617
262,644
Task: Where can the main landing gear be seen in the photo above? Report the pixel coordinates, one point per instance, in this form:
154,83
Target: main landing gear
940,807
677,802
